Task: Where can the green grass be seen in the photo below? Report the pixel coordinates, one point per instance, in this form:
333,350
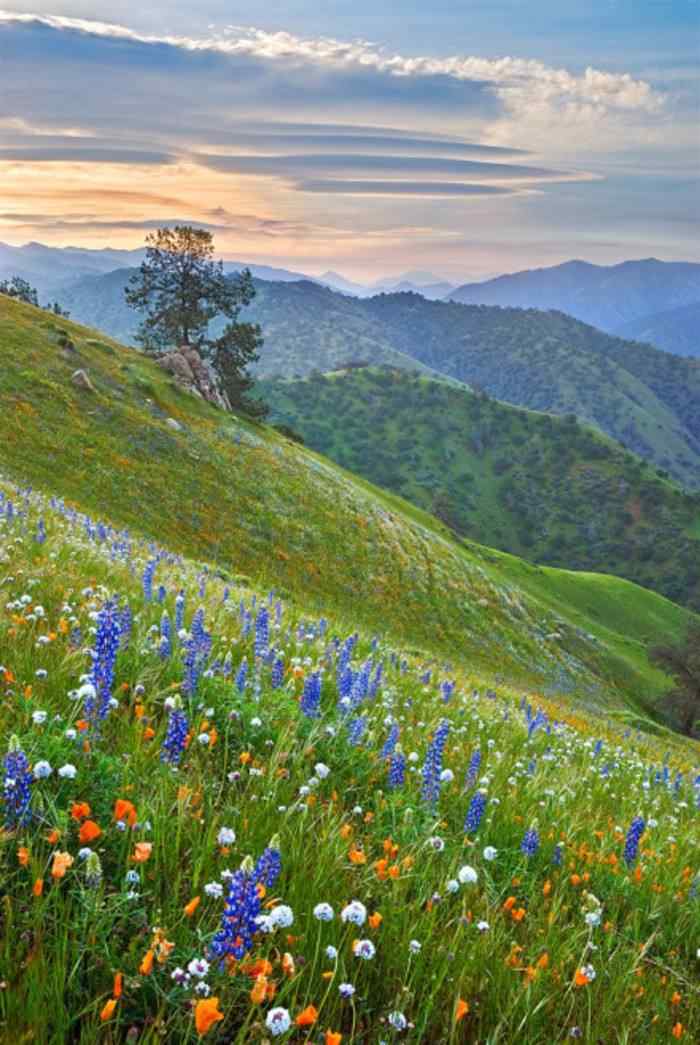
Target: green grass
530,483
63,945
230,492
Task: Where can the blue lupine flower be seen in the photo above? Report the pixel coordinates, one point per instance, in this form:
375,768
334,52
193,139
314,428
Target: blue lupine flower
160,596
262,632
475,813
104,657
239,920
277,675
356,730
40,535
397,769
173,746
310,703
165,646
269,866
432,767
147,579
473,768
446,690
558,854
531,842
179,611
17,791
391,741
636,830
242,675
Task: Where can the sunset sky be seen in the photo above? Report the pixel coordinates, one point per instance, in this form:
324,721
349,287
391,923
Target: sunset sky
466,138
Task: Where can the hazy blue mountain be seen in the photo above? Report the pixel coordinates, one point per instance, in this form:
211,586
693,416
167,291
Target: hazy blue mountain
605,296
675,330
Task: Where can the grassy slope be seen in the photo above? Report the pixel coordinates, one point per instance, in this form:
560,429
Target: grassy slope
237,494
646,399
508,941
530,483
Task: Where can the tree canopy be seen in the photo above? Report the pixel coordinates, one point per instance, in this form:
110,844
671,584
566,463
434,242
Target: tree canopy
183,291
682,663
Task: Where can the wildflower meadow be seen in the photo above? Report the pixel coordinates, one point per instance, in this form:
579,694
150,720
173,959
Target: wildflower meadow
225,819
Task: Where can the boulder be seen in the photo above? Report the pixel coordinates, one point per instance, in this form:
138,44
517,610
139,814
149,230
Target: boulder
81,380
194,374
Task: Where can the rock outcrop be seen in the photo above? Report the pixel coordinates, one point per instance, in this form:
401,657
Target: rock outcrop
194,374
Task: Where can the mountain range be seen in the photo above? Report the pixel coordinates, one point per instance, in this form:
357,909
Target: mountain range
646,399
610,297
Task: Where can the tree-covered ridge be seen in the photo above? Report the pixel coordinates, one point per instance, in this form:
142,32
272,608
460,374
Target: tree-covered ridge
646,399
539,486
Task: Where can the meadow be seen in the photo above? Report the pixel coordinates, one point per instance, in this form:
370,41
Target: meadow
229,819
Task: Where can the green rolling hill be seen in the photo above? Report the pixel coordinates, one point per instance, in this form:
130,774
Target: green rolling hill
539,486
147,455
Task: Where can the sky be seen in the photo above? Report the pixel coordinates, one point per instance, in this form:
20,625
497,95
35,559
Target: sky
461,137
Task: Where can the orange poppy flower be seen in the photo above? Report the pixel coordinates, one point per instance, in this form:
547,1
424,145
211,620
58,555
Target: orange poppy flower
375,920
333,1037
580,979
108,1009
258,991
61,863
142,852
547,888
192,906
149,733
89,831
118,982
38,887
677,1031
147,963
461,1010
357,856
307,1017
79,810
206,1014
125,810
23,856
53,836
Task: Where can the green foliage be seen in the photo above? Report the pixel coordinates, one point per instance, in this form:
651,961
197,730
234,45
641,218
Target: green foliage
19,288
682,662
535,485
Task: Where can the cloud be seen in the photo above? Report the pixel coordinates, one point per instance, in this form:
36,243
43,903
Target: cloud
69,153
401,188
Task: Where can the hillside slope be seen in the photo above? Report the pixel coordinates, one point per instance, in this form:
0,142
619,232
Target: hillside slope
605,296
646,399
224,816
529,483
149,456
675,330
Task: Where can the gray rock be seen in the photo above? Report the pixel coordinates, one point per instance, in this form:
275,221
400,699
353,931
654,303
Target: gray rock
81,380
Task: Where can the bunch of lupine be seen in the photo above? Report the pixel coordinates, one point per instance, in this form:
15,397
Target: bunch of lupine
390,742
446,690
179,611
269,865
397,769
126,620
242,675
376,681
310,703
239,920
531,842
345,685
17,792
475,813
432,767
147,579
262,632
635,832
165,645
161,593
173,746
104,656
277,674
473,768
356,730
